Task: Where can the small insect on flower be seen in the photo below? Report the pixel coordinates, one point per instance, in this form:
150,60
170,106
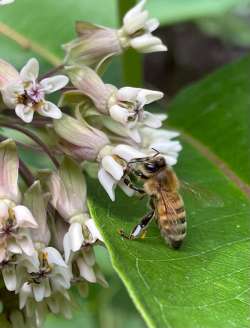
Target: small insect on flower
161,184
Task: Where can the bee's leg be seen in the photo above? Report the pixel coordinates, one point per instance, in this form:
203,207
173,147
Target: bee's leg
140,227
129,183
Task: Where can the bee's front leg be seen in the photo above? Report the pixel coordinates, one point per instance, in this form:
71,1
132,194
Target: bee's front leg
139,229
129,183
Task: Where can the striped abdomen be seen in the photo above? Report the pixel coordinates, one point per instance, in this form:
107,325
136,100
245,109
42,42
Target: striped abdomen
171,218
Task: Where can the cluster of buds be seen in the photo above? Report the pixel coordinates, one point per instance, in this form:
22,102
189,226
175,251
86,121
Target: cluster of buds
47,236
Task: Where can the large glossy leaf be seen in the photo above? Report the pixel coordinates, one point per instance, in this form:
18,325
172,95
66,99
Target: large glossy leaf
206,283
216,112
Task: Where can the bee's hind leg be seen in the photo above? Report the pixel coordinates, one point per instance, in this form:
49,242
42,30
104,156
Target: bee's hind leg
139,229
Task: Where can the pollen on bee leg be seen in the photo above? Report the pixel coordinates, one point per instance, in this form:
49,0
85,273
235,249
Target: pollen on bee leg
144,233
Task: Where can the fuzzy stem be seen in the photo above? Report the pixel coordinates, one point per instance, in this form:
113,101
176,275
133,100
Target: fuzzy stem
34,137
131,60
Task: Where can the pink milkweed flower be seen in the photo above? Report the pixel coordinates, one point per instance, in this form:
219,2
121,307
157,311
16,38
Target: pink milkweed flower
22,92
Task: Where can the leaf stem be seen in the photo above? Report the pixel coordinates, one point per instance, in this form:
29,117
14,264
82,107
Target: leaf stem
131,61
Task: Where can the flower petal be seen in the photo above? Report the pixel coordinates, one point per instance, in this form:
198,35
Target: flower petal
76,236
127,152
24,217
127,94
9,277
146,96
54,83
39,291
134,134
6,2
26,113
4,211
30,71
152,24
93,230
10,93
146,42
112,167
54,256
108,183
50,110
134,15
151,120
25,293
86,271
8,73
67,247
119,114
26,245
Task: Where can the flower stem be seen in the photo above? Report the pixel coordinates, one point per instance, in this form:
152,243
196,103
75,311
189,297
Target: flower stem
35,138
131,61
51,72
26,173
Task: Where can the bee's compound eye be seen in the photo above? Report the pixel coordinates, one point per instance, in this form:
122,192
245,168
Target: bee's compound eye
151,167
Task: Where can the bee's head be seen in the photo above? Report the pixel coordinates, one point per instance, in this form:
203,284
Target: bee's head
151,166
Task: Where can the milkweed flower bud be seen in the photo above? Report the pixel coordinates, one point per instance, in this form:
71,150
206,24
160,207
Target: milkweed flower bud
125,106
34,199
79,139
95,44
22,92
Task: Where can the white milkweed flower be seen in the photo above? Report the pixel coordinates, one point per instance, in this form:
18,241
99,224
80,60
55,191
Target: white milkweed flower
161,141
47,273
113,162
24,93
68,190
137,29
15,220
35,313
125,106
6,2
95,44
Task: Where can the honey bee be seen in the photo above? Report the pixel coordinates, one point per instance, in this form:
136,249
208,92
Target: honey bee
161,184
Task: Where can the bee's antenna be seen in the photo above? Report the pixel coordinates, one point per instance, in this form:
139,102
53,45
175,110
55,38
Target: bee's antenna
156,152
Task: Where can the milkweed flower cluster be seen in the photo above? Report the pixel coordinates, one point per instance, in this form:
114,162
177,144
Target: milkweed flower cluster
47,235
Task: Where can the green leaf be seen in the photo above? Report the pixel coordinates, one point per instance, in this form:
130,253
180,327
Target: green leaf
49,24
206,282
216,112
29,29
172,11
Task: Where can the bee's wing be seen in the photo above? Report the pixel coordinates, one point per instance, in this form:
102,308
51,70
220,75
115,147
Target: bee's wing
205,197
169,208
